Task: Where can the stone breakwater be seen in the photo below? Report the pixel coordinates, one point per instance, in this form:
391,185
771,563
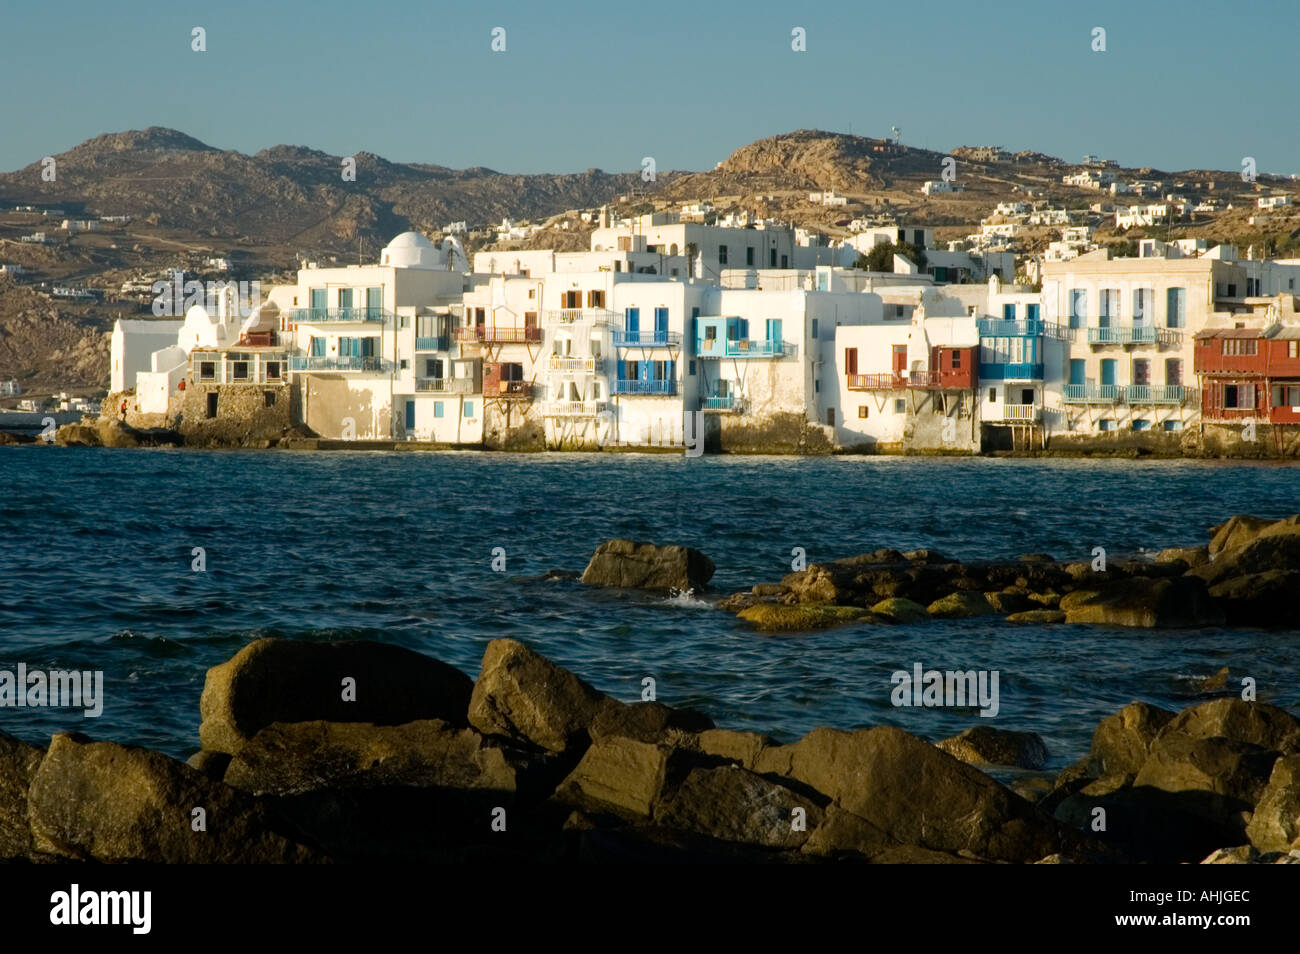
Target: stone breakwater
1247,574
362,751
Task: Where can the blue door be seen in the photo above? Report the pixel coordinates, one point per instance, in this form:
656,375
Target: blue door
1108,372
318,303
1008,312
661,326
410,417
1078,367
632,323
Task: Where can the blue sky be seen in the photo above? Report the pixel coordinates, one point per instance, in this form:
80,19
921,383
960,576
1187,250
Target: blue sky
1182,84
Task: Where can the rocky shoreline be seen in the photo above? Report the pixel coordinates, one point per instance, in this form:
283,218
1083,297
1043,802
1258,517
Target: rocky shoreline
1248,574
363,751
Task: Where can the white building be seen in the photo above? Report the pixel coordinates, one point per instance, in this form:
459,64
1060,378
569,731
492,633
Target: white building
131,348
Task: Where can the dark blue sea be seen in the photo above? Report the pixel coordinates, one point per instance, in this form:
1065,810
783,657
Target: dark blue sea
95,573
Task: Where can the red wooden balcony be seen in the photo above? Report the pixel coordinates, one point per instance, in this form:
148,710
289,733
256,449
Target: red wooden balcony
498,334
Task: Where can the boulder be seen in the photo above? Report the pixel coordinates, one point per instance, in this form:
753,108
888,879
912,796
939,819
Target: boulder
648,722
896,609
915,794
526,698
801,617
743,748
1270,598
960,605
1036,558
293,758
1192,556
284,680
114,803
1277,547
1122,742
1236,531
1147,824
1009,601
1144,602
985,745
1037,616
925,556
732,804
1275,824
628,564
18,764
619,775
844,834
822,583
1228,776
1231,718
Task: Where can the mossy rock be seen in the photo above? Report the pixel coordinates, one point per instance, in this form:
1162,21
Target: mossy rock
960,605
1037,616
780,618
896,609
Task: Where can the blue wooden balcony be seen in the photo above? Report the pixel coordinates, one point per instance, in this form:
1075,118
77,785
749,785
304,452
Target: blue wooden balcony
742,348
1010,371
1090,394
1122,335
646,339
1155,394
435,343
325,315
1003,328
346,363
645,386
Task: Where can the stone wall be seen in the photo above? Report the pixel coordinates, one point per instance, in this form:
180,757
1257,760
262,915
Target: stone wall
513,425
784,432
243,417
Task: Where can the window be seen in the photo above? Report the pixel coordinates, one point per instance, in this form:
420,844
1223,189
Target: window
596,298
1286,395
1175,307
1141,371
862,410
898,311
1078,307
1108,306
817,385
1141,305
1105,424
830,416
956,360
469,408
345,301
749,255
1293,349
437,409
241,370
269,398
273,370
850,360
207,370
900,406
1031,312
404,364
571,299
1141,425
374,302
1239,396
814,327
722,255
1240,346
1173,425
1173,371
1009,312
691,366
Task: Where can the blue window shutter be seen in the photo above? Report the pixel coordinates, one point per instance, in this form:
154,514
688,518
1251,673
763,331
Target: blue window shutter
622,370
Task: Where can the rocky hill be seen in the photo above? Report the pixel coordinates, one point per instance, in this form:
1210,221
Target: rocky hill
48,347
289,194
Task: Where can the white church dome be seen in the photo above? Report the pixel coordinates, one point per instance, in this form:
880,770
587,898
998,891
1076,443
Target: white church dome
411,250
